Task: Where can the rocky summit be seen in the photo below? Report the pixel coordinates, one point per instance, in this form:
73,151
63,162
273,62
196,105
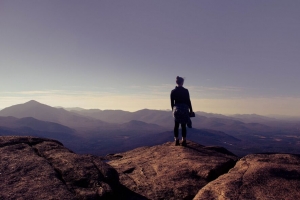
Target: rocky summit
170,172
36,168
257,176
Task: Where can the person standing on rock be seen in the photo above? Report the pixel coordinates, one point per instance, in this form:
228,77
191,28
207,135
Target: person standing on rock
181,107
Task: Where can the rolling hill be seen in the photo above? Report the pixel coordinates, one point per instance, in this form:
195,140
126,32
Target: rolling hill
47,113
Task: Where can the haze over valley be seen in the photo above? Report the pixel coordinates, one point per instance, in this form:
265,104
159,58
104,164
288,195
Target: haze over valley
101,132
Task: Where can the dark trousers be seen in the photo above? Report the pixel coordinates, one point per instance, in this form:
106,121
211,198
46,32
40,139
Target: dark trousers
183,129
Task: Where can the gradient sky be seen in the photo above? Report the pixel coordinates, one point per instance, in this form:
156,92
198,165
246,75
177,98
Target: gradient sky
237,56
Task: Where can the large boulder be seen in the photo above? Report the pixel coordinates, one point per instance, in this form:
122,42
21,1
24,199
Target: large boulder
257,176
36,168
170,172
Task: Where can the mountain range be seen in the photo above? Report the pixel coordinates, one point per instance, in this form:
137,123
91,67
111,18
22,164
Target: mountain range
108,131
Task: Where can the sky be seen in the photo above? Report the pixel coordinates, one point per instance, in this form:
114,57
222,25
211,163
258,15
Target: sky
236,56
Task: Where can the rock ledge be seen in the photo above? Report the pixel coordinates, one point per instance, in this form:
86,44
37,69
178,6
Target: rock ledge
170,172
37,168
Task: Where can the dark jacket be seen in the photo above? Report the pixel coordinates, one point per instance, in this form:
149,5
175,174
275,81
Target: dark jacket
180,95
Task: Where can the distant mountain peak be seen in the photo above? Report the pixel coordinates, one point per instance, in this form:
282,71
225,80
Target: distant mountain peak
33,101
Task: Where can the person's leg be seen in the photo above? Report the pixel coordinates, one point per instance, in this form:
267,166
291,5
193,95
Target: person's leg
183,127
176,127
183,130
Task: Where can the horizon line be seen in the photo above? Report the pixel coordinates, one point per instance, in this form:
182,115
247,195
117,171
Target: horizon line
66,108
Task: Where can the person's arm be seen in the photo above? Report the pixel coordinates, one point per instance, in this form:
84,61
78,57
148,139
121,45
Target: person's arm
172,100
189,102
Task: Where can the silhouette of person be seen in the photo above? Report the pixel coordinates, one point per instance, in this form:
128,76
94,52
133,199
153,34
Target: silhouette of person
181,107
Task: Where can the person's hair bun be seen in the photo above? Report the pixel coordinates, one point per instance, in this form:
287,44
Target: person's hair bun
179,80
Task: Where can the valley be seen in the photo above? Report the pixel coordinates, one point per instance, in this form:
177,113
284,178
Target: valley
111,131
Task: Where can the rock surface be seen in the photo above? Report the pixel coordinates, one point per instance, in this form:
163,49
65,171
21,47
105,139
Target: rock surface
257,176
36,168
170,172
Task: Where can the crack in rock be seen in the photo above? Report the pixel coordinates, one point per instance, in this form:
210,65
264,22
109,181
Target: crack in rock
242,179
